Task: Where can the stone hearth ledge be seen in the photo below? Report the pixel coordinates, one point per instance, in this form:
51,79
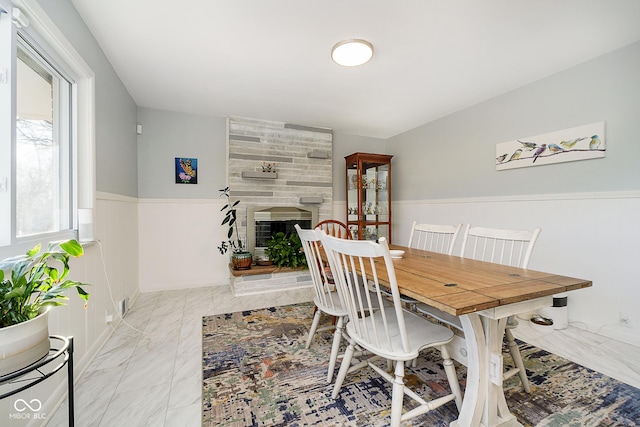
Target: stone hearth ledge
265,279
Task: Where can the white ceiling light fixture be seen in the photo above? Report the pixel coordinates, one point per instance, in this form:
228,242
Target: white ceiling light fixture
352,52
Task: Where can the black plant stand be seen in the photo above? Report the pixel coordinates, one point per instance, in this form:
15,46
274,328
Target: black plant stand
61,351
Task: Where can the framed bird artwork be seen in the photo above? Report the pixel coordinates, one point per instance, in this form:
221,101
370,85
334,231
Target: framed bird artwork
186,170
568,145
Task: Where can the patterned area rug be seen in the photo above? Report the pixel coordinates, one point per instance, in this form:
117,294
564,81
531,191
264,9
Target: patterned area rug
256,372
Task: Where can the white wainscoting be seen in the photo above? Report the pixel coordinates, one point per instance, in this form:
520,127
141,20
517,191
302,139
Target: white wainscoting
178,244
593,236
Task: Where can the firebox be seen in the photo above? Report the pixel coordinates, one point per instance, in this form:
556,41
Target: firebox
265,221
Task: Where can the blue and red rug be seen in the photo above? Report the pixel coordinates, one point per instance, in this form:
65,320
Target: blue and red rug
256,372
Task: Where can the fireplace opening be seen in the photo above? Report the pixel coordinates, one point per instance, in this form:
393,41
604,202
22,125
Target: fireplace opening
264,222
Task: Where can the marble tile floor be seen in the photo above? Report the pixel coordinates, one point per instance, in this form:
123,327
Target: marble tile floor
153,378
613,358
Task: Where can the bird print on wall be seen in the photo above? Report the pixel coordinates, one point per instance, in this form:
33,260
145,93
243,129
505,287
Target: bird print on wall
579,143
528,145
539,151
554,148
516,154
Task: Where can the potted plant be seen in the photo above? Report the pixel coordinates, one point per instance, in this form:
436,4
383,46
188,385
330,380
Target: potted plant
285,250
29,285
240,258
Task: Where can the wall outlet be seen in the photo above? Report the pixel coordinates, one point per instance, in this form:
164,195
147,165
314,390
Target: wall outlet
108,317
624,320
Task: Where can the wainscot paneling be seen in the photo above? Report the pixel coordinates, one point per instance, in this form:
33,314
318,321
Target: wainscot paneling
178,244
110,267
594,236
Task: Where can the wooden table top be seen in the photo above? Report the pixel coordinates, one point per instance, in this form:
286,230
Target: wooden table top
460,285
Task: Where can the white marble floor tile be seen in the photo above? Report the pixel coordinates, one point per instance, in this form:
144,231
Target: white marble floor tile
92,397
184,416
186,384
149,367
141,407
116,352
613,358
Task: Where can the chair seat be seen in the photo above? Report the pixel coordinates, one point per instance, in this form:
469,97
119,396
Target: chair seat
421,333
336,309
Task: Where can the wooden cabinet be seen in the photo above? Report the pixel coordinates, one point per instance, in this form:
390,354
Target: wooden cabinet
369,195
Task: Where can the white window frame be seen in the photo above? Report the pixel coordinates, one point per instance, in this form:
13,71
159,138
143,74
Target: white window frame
41,27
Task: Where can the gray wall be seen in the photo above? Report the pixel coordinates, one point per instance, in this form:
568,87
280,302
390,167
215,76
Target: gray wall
455,156
167,135
343,145
116,150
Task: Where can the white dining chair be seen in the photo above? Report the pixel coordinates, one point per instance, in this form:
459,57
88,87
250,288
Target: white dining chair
387,333
434,237
326,298
500,246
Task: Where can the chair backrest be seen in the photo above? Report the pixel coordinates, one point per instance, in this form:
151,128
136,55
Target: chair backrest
373,324
433,237
334,228
321,285
507,247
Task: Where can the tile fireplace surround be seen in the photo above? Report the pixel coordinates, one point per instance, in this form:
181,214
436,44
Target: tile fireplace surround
273,164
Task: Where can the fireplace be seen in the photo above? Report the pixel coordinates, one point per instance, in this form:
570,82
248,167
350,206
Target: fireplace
264,221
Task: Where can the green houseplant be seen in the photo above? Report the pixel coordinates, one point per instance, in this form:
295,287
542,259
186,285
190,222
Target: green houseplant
29,285
285,250
240,258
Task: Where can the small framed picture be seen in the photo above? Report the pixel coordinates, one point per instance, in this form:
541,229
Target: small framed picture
186,170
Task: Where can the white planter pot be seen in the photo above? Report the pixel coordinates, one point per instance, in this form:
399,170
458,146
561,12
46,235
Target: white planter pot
24,343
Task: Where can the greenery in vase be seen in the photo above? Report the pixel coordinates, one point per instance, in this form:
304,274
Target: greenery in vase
35,281
285,250
235,245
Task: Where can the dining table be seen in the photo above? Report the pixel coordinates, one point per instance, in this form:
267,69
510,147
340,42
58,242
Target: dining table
483,295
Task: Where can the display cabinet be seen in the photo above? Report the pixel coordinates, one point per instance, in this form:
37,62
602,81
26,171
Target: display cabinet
369,195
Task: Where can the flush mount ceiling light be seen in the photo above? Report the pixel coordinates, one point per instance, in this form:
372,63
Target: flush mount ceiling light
351,53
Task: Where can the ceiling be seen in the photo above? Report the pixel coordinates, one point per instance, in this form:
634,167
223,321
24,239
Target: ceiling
271,59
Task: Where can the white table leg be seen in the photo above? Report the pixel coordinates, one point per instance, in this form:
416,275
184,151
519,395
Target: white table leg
484,403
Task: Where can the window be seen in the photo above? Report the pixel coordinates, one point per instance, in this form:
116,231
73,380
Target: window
43,146
47,169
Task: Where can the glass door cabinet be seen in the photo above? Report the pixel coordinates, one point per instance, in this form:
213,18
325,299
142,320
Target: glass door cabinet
369,196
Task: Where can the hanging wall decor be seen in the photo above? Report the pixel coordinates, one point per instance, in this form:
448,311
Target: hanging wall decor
186,170
578,143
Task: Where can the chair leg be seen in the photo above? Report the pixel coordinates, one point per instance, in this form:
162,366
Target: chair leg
517,359
344,367
411,363
314,327
337,338
397,394
452,377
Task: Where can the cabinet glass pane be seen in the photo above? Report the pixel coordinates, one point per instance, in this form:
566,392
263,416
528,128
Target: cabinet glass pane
374,232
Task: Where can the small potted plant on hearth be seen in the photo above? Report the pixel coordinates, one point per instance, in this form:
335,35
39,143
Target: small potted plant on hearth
29,285
240,258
